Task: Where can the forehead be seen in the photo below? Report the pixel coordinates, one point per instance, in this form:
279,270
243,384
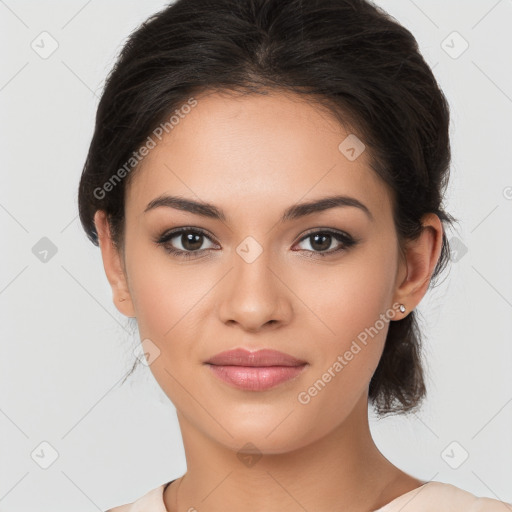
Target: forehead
255,150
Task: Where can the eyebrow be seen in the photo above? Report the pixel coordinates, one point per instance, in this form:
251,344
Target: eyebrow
294,212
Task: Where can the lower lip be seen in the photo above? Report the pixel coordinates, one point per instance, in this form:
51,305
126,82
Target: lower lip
256,378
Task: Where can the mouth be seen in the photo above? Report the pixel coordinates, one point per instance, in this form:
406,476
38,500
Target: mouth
255,371
263,357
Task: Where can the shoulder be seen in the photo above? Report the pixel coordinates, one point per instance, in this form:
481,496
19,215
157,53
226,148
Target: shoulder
152,501
458,497
489,505
444,498
121,508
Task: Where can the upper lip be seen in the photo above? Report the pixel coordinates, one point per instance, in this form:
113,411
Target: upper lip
263,357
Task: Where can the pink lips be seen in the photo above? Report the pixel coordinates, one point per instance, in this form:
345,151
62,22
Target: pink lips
255,371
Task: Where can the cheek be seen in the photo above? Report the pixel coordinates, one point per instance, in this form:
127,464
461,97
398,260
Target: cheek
344,362
344,301
155,304
352,306
168,301
163,293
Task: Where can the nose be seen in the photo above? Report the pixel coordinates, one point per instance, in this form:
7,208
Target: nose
254,297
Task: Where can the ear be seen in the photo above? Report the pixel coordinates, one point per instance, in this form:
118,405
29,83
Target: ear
421,257
114,266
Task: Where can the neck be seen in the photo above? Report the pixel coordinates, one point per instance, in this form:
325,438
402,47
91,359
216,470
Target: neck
343,470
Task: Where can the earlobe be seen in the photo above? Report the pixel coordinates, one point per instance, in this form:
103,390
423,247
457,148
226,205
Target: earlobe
113,265
422,256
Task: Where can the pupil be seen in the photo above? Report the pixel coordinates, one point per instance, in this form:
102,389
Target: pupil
325,238
191,244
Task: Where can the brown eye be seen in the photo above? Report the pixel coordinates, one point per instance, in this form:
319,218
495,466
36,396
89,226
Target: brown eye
185,242
191,241
321,241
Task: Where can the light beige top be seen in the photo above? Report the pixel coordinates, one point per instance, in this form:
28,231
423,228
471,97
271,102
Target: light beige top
430,497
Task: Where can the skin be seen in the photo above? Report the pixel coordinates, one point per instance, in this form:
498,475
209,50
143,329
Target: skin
253,157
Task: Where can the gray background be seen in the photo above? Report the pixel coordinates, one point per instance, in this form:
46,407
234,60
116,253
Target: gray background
65,348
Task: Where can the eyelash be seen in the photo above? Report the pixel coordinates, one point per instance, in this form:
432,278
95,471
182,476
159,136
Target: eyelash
163,240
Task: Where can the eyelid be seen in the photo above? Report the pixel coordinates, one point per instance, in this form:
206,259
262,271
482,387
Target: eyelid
332,231
169,234
342,237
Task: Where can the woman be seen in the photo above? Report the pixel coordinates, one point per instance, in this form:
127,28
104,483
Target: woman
265,182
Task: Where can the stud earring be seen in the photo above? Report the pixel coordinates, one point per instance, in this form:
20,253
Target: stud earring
402,308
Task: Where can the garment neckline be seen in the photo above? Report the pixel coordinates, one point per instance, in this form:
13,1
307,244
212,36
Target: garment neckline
381,509
418,489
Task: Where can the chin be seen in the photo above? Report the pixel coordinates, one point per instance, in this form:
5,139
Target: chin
273,436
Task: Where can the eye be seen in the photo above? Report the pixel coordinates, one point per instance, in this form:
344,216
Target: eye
321,241
189,241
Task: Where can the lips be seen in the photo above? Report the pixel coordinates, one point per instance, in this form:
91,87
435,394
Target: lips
264,357
255,371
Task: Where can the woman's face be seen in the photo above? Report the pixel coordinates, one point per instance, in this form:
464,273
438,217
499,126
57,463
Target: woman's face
255,280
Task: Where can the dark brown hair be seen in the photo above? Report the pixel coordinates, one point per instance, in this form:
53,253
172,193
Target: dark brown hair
348,56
